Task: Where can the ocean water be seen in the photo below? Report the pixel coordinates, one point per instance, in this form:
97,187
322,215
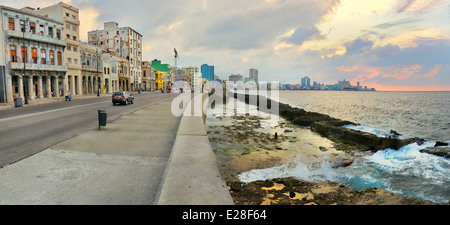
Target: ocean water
412,114
406,171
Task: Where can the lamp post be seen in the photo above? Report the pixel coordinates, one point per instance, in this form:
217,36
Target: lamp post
98,83
25,25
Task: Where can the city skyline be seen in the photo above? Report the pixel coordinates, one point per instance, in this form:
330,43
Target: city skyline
390,45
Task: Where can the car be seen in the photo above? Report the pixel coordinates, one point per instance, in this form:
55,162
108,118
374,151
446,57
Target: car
122,97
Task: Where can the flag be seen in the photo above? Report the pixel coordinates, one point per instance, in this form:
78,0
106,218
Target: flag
176,53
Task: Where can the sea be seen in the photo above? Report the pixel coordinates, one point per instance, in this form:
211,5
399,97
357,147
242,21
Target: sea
406,171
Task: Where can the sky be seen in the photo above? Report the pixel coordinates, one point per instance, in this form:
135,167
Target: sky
390,45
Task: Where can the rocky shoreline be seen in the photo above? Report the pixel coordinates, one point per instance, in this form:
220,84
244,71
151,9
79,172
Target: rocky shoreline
245,146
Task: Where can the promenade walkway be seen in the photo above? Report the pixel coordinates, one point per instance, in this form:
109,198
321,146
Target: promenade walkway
126,162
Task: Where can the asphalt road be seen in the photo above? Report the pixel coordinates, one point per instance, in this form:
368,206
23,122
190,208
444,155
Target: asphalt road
28,130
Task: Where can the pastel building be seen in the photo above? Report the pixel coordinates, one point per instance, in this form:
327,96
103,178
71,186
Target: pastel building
32,61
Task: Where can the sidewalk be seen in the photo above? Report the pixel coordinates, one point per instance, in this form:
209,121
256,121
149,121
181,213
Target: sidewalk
133,160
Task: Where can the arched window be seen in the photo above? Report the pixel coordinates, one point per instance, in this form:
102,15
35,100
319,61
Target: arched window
52,57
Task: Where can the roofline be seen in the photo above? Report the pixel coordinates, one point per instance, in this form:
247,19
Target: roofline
31,14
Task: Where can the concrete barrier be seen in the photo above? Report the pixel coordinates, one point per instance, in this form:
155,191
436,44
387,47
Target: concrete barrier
192,176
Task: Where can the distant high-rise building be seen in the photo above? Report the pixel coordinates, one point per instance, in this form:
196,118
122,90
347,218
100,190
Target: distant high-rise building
253,73
207,72
235,78
306,82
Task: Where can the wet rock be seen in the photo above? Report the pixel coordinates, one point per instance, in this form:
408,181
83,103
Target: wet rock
367,141
342,161
395,133
438,151
440,143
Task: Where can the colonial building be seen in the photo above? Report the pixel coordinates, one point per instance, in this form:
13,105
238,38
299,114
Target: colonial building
71,23
32,61
148,76
91,69
122,42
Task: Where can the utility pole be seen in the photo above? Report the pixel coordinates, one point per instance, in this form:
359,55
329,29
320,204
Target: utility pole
23,59
98,82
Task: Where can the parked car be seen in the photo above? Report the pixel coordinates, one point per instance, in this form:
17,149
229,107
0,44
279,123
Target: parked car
122,97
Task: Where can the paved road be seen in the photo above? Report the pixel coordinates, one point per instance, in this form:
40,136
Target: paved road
28,130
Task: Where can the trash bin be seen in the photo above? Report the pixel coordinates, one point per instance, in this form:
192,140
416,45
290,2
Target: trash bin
101,118
18,102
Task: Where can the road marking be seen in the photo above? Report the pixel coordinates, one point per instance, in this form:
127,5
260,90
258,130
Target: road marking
50,111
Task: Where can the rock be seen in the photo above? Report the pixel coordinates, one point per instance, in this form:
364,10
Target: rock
438,151
395,133
342,161
420,141
323,149
440,143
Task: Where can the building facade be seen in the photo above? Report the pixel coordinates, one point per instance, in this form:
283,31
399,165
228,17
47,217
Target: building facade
91,69
148,76
32,61
306,82
122,42
69,15
235,77
253,73
207,72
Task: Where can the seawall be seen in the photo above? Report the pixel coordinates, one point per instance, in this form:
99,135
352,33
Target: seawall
192,176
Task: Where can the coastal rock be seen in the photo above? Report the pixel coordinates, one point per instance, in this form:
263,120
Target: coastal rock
365,141
331,128
342,161
440,143
438,151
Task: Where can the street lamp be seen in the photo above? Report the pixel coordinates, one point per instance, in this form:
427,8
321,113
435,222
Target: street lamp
25,25
98,82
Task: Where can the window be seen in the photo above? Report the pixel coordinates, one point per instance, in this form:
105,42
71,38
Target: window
104,68
22,25
43,57
68,26
69,60
11,24
67,14
108,70
74,28
58,34
74,17
33,28
24,54
68,36
13,53
69,47
74,38
41,29
75,49
34,55
52,57
50,32
75,61
59,58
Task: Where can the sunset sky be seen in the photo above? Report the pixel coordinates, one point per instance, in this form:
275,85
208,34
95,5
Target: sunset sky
385,44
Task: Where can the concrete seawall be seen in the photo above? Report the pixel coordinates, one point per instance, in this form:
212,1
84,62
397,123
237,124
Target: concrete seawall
192,176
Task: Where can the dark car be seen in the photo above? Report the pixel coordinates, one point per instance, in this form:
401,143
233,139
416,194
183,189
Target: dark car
122,97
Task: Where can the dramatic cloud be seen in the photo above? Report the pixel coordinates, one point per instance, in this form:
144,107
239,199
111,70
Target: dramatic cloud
386,44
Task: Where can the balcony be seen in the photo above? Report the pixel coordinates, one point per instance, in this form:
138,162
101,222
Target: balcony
91,68
123,75
70,20
36,37
43,67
